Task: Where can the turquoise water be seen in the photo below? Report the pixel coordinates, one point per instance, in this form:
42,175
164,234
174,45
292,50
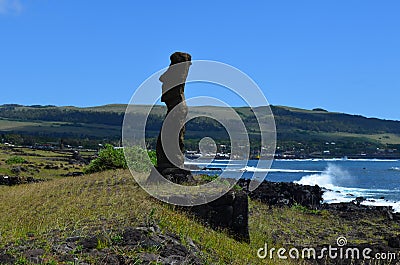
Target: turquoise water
344,179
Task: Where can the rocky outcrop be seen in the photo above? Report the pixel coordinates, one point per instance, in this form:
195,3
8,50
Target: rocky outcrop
230,212
142,245
17,180
286,194
354,210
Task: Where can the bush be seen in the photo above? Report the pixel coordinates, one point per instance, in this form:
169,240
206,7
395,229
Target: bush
15,160
110,158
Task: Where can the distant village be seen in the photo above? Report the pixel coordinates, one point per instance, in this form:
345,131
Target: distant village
223,151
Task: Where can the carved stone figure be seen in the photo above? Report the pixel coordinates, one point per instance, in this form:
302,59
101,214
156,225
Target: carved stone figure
169,148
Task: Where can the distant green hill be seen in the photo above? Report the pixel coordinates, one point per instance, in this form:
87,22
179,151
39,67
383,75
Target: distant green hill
301,132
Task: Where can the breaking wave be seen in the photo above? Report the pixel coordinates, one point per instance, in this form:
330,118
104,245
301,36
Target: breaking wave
333,179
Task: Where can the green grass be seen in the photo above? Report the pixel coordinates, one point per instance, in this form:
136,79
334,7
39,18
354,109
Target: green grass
37,162
8,125
384,138
56,127
112,200
105,200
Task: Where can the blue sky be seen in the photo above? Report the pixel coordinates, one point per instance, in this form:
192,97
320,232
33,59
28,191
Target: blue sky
339,55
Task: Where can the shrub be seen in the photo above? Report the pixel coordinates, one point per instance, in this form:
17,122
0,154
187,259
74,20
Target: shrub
15,160
110,158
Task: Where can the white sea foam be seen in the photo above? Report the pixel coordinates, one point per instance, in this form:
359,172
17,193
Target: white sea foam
331,178
250,169
373,160
256,169
312,159
326,178
334,179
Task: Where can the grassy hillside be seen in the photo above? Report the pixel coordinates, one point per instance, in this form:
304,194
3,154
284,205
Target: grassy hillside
298,130
46,216
103,204
39,164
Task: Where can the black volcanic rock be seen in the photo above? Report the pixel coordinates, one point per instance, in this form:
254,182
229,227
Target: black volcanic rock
147,242
7,259
17,180
394,241
286,194
354,210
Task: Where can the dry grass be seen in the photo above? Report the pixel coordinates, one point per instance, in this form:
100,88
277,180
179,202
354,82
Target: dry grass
112,200
107,200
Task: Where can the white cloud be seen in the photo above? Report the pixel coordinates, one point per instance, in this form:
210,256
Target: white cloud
10,6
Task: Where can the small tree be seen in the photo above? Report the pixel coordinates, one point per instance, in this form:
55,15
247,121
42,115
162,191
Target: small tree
109,158
138,159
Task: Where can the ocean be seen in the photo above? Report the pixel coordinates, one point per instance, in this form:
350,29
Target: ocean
345,179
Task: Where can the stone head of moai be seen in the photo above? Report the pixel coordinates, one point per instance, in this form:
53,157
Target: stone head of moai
175,76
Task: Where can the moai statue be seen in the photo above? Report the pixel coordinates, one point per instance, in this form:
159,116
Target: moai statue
170,146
